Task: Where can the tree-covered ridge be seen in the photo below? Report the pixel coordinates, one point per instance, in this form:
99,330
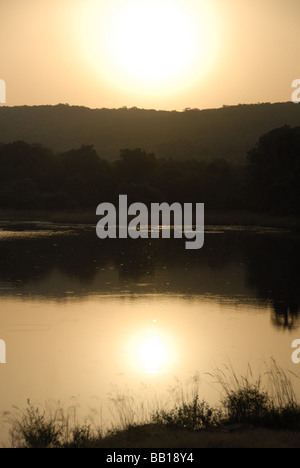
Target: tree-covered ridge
210,134
33,176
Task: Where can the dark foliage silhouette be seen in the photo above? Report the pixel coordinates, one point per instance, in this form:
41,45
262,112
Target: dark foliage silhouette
209,134
274,166
34,177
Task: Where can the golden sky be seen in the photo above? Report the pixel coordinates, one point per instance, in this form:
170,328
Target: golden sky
158,54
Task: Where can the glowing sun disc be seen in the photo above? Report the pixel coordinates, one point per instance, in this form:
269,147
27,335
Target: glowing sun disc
153,41
149,45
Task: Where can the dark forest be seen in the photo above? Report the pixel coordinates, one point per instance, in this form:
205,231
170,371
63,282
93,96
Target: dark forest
33,176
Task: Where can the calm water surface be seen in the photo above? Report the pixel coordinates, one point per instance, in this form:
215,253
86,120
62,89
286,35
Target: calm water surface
87,321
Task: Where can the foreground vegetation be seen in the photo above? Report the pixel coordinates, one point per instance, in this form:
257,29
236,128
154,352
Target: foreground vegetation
249,415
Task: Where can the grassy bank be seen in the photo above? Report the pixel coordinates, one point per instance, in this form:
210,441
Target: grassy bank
250,414
153,436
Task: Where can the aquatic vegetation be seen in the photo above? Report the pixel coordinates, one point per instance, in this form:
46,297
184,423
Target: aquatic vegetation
265,402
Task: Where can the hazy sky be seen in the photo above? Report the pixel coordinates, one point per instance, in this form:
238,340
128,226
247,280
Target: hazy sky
162,54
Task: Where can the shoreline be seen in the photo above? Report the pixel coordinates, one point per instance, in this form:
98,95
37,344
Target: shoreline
212,218
235,436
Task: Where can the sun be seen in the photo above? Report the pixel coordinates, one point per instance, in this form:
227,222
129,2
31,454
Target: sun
152,42
149,46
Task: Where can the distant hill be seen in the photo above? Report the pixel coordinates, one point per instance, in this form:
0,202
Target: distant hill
209,134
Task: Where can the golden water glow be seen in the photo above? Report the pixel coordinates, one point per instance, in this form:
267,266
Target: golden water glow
57,349
157,46
151,350
152,354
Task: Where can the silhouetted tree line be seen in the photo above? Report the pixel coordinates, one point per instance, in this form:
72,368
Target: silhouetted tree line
274,171
207,134
33,176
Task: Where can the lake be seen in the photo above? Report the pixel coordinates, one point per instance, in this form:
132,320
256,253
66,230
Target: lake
105,326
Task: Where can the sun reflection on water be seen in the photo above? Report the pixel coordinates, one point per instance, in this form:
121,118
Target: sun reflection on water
152,354
152,351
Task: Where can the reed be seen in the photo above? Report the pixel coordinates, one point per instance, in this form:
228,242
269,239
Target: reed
264,402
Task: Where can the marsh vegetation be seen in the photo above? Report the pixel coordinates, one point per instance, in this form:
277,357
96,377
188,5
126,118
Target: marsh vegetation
249,406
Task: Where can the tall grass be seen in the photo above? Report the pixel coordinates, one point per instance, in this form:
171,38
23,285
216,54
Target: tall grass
51,427
266,401
280,385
